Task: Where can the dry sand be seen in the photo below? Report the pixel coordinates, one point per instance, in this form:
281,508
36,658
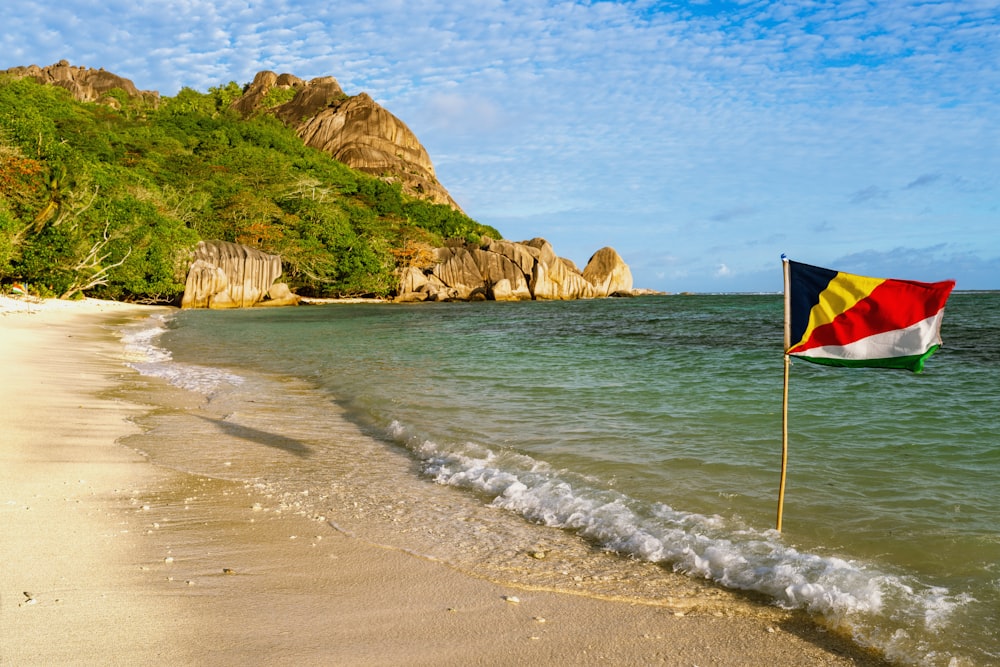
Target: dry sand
106,559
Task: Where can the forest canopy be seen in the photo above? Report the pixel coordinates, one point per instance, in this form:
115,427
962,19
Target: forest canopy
110,199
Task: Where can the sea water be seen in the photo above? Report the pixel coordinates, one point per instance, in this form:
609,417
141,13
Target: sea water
647,430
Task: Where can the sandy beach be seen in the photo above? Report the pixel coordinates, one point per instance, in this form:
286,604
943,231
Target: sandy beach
107,559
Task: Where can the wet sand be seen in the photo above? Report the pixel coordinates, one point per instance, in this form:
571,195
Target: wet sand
106,559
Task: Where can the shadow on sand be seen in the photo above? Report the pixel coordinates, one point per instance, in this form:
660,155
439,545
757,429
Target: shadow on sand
266,438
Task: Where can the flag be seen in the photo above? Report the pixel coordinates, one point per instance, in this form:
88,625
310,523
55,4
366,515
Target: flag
841,319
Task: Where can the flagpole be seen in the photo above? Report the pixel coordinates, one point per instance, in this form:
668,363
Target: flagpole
784,395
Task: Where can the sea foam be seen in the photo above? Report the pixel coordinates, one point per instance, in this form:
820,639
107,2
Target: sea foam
845,594
143,354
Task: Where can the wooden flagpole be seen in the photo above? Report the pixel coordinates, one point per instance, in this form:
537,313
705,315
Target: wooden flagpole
784,396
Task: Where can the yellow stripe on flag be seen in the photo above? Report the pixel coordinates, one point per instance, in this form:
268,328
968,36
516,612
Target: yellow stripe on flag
841,294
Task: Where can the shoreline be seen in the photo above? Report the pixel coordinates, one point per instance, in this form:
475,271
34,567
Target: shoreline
127,562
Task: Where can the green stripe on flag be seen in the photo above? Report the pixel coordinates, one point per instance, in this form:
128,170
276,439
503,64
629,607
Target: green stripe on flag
913,363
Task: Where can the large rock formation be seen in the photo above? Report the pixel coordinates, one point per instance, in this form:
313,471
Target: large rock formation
609,274
508,271
229,275
354,130
86,85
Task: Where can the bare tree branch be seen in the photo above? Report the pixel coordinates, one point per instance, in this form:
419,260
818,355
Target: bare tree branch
90,272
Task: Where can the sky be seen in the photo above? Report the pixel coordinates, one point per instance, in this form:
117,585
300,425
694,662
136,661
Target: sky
700,139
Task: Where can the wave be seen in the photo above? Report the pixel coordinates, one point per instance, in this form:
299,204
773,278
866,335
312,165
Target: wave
891,612
145,355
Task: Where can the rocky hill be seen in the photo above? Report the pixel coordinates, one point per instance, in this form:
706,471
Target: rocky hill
359,133
354,130
86,84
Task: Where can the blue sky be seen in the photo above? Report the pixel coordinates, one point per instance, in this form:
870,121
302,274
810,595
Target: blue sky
699,139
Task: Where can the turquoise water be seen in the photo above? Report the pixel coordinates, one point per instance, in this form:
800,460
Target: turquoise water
649,427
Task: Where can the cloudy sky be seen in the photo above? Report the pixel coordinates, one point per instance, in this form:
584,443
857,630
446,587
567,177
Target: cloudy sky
700,139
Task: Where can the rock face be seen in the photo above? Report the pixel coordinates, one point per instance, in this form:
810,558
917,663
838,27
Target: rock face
609,275
354,130
508,271
86,85
229,275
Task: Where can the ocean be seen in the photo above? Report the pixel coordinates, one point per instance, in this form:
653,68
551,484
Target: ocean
588,445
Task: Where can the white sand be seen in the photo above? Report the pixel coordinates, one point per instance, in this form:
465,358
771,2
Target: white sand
127,563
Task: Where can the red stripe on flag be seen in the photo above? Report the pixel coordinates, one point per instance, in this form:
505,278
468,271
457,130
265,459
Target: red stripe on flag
894,304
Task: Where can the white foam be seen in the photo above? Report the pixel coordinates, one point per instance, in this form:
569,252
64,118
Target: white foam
144,355
847,594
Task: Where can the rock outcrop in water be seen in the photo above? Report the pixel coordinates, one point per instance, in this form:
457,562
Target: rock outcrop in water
509,271
230,275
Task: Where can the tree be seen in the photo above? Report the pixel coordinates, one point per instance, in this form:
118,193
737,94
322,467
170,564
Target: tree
93,268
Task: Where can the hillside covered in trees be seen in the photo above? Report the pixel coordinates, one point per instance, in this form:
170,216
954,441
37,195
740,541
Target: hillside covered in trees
112,198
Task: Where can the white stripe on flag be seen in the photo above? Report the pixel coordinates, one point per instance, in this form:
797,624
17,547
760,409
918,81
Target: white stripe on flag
913,340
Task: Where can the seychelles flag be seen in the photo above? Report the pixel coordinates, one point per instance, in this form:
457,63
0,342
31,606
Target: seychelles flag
840,319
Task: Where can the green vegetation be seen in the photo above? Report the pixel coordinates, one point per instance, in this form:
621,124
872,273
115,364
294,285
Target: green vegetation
111,201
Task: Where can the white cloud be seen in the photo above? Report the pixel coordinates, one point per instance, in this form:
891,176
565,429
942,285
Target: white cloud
698,116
